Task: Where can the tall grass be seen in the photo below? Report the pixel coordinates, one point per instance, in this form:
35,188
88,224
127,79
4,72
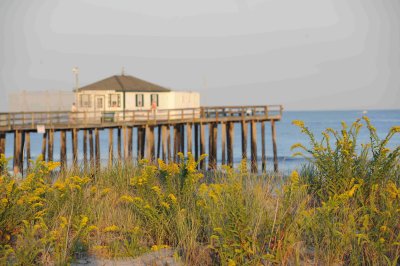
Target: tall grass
343,208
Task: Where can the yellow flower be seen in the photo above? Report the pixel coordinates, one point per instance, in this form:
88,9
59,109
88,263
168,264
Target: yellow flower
105,191
126,198
84,221
173,198
156,189
112,228
92,228
294,177
383,228
231,263
64,221
298,123
165,205
381,240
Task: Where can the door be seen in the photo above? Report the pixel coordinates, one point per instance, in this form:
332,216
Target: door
99,106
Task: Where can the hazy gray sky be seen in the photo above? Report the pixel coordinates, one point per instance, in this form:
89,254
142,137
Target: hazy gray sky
304,54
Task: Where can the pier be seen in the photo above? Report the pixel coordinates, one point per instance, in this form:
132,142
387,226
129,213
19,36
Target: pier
179,130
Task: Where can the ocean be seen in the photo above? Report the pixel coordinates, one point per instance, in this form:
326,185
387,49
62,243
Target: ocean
287,135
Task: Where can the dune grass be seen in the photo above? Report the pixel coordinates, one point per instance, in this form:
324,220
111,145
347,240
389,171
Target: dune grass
342,208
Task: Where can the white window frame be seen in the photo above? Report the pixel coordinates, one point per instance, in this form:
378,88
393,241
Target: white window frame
112,99
137,96
85,103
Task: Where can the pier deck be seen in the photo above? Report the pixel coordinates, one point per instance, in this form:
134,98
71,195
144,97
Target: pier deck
172,122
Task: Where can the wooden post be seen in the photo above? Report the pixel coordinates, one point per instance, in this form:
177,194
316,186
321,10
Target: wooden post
2,143
182,138
91,149
130,143
119,144
159,129
202,145
263,153
44,138
28,149
212,165
231,130
18,152
50,145
143,141
97,148
63,149
125,136
150,143
110,147
245,127
169,132
223,143
189,137
196,142
164,137
75,147
254,167
139,143
274,147
85,159
176,143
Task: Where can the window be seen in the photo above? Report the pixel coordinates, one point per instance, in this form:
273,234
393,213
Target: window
154,99
85,100
139,100
114,100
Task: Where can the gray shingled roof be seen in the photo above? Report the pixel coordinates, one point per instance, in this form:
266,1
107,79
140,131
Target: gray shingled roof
124,83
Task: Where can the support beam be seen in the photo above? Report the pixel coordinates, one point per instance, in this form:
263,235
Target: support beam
245,128
75,147
189,136
91,149
2,143
254,166
130,143
230,132
119,144
182,138
159,133
44,139
169,148
274,147
28,149
50,145
85,146
139,143
176,142
63,149
223,143
212,163
110,147
202,145
18,152
125,136
150,143
97,148
164,140
263,153
196,142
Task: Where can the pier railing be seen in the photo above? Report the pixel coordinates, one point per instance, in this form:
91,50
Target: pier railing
66,119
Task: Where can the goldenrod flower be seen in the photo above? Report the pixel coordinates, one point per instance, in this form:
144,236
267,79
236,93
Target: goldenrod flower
126,198
112,228
298,123
173,198
165,205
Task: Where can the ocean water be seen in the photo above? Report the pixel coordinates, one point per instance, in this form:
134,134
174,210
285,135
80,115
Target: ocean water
287,135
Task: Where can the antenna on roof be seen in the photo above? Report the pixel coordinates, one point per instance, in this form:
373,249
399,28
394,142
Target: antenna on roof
123,71
75,70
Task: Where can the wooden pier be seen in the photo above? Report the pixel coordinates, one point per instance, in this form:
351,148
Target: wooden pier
186,126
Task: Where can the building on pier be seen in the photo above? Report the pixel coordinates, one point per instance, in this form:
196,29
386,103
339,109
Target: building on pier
121,93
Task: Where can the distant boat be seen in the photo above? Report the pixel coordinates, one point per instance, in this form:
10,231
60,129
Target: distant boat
365,112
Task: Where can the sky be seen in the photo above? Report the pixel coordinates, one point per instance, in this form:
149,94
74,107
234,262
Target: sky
303,54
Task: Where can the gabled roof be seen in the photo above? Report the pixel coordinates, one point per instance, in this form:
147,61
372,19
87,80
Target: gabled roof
124,83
